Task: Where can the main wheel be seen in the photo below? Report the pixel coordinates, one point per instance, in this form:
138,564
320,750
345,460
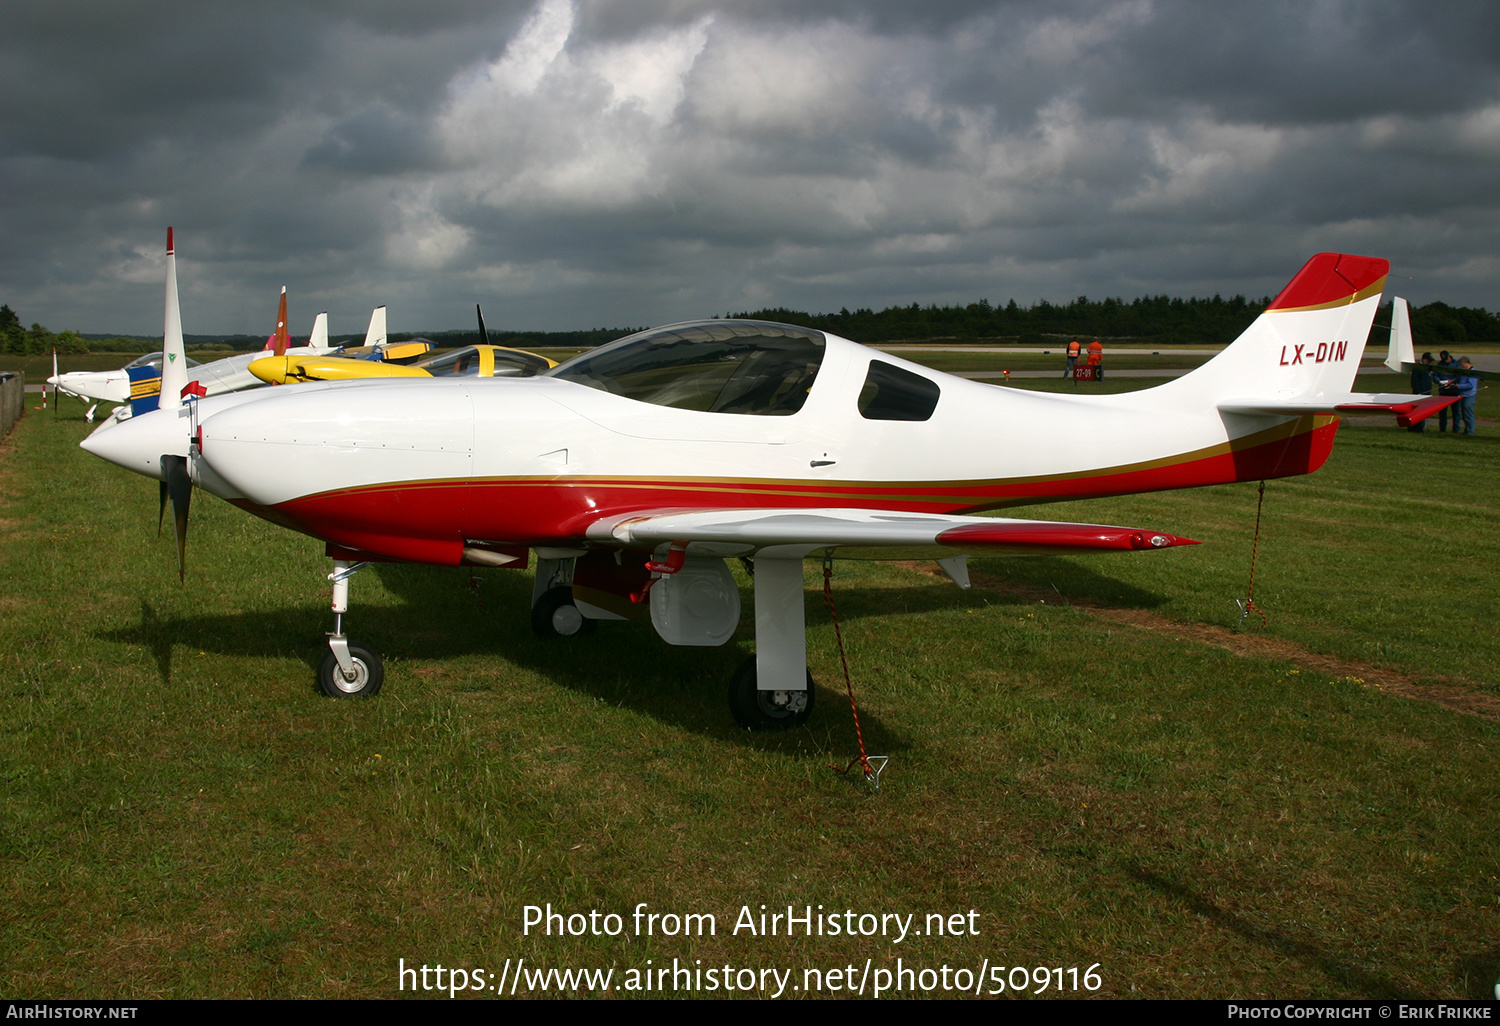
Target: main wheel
369,673
767,710
555,616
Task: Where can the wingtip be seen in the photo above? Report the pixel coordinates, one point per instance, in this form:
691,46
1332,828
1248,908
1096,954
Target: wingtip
169,240
1157,540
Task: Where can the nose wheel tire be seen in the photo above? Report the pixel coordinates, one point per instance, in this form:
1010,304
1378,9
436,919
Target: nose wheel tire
555,616
368,675
754,709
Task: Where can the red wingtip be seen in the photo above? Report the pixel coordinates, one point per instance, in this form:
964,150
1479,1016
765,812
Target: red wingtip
169,240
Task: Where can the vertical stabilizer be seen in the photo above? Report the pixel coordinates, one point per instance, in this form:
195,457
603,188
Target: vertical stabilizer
279,343
375,336
1402,350
319,337
174,354
1306,344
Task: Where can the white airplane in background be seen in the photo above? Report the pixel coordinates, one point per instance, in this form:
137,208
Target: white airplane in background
635,470
1403,356
216,377
110,386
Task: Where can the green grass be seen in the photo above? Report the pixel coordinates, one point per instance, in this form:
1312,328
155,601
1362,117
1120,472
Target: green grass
183,816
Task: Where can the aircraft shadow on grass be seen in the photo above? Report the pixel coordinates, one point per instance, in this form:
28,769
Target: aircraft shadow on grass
443,614
1366,984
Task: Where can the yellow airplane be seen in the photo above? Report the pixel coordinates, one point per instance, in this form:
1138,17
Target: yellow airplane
471,361
483,361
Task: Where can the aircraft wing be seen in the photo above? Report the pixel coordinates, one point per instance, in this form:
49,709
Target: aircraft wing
1409,409
866,533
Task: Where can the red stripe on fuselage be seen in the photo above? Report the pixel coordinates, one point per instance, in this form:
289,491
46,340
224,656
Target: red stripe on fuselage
427,521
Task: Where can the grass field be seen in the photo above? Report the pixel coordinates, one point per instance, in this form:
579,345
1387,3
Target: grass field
1083,754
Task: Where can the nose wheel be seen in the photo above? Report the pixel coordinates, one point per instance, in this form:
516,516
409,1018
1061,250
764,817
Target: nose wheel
365,674
351,668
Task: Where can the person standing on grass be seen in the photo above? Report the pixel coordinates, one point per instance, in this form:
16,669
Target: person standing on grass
1073,350
1467,386
1096,359
1447,386
1421,384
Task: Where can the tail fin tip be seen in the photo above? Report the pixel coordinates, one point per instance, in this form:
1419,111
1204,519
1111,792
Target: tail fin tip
1333,279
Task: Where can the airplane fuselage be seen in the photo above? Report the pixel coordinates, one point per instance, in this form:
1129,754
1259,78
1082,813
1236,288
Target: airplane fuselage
413,470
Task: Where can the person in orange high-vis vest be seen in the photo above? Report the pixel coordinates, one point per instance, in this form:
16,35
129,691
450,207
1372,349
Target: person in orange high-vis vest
1096,359
1073,350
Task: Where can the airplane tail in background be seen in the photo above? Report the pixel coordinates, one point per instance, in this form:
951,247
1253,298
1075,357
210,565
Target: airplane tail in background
279,339
375,335
1403,351
319,337
1299,356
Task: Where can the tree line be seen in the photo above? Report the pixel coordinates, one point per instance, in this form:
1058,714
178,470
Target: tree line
1157,319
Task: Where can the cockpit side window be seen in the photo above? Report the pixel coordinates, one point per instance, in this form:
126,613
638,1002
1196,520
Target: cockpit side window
892,393
747,367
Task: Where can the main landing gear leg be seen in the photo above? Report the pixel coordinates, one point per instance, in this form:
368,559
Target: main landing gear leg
772,690
350,668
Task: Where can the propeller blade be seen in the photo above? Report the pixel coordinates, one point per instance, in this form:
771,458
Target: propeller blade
161,510
484,336
174,355
180,490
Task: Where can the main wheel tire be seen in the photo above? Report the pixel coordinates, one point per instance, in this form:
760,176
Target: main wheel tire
369,673
754,709
555,616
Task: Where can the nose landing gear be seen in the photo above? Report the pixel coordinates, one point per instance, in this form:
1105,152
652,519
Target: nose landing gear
350,668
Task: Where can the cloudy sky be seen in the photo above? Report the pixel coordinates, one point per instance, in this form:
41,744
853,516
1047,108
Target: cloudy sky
590,163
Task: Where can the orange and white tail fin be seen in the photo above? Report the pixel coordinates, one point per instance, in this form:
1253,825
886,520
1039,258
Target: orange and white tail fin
1304,349
279,343
174,353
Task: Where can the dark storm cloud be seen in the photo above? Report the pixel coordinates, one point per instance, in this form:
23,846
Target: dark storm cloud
599,162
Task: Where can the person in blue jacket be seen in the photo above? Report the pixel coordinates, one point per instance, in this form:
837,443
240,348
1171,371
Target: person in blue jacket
1468,389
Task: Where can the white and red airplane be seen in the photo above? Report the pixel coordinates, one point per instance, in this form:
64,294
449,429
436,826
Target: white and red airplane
635,470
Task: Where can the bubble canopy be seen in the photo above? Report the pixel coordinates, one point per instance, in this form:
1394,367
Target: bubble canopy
747,367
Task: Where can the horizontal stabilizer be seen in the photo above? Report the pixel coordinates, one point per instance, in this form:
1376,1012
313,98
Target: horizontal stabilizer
792,532
1409,409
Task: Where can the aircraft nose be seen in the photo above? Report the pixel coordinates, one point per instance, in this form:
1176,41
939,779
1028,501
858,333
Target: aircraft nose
304,440
139,443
